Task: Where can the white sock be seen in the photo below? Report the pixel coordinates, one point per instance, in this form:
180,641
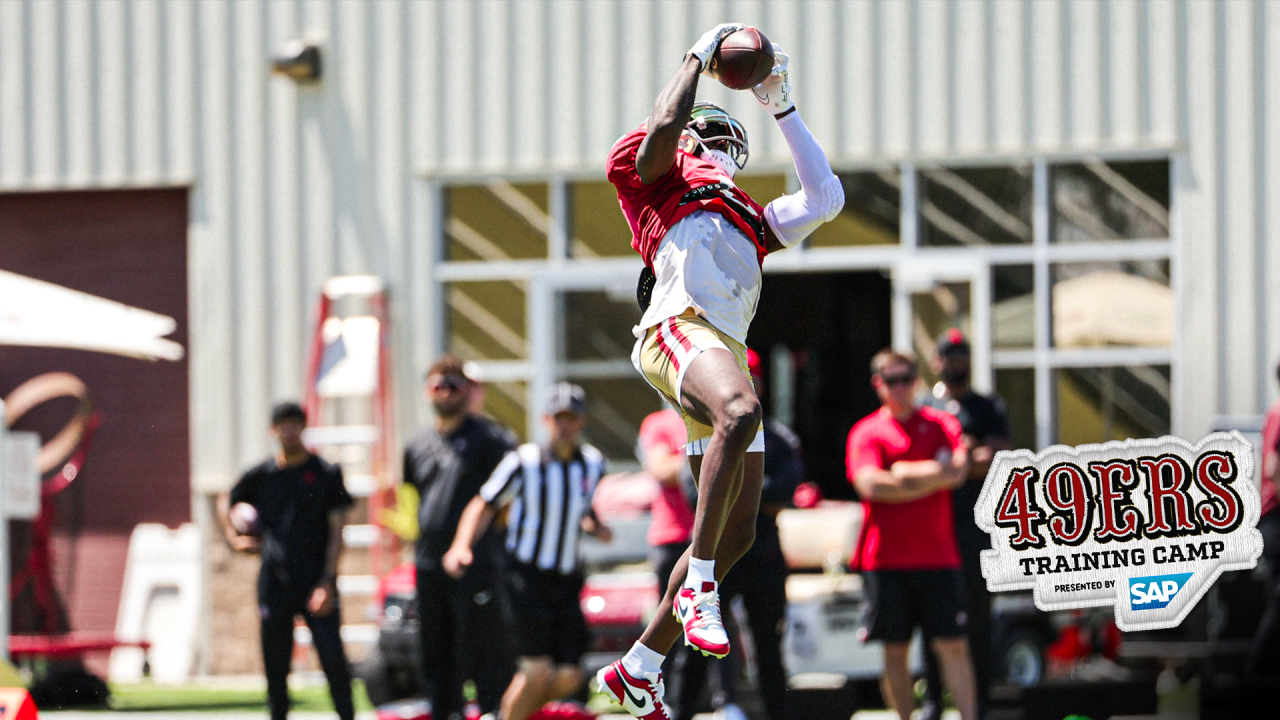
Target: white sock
640,660
700,571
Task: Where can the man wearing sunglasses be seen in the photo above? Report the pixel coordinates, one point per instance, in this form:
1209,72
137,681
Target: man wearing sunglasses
904,460
462,621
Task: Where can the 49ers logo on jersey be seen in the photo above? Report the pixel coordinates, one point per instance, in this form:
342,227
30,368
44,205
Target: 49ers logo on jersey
1073,523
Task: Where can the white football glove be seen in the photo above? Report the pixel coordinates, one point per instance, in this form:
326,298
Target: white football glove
774,93
710,42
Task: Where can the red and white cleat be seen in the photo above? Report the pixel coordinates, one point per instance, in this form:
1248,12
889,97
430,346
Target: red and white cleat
641,697
699,613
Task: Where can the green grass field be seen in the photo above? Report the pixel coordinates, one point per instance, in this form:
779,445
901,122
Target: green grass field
149,697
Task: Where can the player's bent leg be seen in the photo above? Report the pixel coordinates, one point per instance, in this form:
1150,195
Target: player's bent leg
529,688
716,392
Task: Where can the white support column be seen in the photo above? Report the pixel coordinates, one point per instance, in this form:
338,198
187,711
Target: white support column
1043,303
437,325
909,231
558,210
541,329
981,333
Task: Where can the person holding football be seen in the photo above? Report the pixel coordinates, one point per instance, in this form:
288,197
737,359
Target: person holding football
703,241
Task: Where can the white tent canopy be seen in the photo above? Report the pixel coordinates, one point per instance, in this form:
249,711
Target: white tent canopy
40,314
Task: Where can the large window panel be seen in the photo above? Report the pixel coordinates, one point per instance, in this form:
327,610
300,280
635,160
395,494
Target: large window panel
596,225
1017,387
487,320
496,221
1112,304
872,203
1013,317
975,206
597,325
1096,200
1112,403
507,403
945,306
615,409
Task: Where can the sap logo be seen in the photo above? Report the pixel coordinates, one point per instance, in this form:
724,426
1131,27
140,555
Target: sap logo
1155,591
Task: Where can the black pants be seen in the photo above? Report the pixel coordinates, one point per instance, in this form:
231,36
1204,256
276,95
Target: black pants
760,579
464,634
977,607
277,615
1264,656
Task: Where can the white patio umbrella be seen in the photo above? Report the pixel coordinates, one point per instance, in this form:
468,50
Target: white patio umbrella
41,314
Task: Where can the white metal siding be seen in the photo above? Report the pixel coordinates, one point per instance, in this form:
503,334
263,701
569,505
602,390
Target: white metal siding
292,183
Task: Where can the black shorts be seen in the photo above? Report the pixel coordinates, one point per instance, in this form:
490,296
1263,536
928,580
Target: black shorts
548,614
899,601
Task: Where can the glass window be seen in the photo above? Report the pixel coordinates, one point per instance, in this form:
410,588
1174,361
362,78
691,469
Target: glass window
597,324
933,313
615,409
870,215
496,221
1013,317
975,206
763,188
1112,403
1096,200
1125,303
487,320
507,403
1017,387
597,227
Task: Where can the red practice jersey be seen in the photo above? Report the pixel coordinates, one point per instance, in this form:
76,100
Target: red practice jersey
916,535
691,185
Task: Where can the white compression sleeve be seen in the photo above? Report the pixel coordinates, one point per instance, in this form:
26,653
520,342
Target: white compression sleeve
821,196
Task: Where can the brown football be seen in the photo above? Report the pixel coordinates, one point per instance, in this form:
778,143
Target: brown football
744,60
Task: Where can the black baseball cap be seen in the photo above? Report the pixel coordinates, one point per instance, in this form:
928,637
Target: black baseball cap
288,410
953,342
566,397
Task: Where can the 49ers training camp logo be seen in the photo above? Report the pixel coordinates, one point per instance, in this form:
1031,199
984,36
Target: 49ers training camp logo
1146,525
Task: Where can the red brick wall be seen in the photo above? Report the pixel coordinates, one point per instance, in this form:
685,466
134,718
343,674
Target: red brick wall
129,246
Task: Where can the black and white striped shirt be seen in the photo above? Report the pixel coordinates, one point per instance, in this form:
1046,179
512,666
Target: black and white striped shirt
548,500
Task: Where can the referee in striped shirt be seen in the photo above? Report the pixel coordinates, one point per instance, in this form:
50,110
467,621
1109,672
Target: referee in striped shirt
548,488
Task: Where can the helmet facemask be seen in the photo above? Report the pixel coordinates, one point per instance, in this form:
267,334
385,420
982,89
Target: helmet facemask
716,137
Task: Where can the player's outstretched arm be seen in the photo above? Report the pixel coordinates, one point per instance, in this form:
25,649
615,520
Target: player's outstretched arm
670,114
657,151
791,218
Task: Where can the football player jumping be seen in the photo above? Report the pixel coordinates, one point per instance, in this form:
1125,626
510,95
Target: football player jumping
703,240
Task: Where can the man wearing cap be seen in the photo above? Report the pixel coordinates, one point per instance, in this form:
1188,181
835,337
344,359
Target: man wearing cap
462,620
985,427
548,489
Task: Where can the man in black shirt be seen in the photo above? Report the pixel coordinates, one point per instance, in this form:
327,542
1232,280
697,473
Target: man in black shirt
462,621
985,424
300,504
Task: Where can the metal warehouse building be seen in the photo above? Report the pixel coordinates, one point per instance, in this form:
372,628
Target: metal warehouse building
1090,188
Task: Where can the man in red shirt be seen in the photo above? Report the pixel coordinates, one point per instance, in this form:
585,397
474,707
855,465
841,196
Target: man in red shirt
904,460
1264,656
703,240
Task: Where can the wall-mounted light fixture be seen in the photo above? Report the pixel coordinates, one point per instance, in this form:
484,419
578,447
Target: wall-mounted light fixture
299,61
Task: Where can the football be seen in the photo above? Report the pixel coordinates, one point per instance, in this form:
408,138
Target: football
744,59
244,518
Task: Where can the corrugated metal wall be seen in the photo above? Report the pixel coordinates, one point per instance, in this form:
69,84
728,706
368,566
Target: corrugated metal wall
291,184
